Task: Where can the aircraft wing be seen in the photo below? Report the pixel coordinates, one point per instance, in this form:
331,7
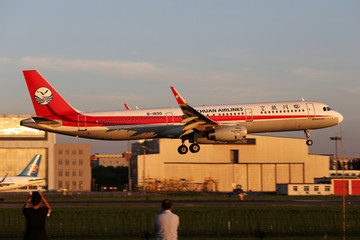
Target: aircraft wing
192,119
6,184
37,179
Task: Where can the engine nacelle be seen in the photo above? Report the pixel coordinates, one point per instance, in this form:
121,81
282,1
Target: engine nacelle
231,133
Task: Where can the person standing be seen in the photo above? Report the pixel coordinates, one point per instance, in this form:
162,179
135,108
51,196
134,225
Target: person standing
35,216
166,223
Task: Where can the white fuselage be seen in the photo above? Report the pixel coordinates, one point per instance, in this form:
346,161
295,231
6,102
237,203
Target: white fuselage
14,182
166,122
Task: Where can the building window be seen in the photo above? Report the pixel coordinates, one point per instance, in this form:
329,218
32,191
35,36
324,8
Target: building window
306,188
80,173
60,184
67,152
67,162
73,152
295,188
74,173
81,152
60,161
327,188
80,162
60,152
60,173
316,188
234,156
73,185
73,162
67,173
80,185
67,185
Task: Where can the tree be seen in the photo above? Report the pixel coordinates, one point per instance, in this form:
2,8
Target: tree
110,176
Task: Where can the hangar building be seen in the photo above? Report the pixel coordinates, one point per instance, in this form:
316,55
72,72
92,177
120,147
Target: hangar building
65,166
257,165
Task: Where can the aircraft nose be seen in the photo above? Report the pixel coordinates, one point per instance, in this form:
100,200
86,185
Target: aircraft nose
340,118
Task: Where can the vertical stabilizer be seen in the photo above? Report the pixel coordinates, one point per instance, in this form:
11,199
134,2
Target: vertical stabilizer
32,168
46,100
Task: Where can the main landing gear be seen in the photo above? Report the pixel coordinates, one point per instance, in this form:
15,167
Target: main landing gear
308,141
194,148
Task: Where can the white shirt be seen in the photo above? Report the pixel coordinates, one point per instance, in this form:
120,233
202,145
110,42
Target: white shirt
166,225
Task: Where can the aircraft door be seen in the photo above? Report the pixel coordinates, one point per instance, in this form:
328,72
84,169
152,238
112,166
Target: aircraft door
169,118
311,110
249,115
82,123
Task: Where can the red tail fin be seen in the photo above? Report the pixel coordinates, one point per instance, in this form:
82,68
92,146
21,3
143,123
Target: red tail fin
46,100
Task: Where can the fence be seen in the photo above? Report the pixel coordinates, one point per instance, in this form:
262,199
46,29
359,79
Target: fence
124,223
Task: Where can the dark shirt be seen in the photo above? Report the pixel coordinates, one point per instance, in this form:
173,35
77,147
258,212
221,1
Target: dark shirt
35,223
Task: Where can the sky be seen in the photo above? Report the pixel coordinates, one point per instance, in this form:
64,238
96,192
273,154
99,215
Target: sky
102,54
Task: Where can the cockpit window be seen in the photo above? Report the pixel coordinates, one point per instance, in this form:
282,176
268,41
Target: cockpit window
327,109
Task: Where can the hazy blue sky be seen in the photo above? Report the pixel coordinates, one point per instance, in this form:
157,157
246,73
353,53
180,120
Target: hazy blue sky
101,54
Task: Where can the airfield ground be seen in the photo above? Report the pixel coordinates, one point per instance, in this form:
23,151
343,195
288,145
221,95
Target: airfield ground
203,216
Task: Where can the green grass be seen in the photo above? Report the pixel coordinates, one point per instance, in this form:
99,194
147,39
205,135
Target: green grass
220,222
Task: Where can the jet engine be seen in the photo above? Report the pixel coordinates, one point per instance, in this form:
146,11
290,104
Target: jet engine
230,133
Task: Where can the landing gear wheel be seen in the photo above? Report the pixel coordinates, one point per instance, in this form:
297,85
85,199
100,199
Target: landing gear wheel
194,148
309,142
182,149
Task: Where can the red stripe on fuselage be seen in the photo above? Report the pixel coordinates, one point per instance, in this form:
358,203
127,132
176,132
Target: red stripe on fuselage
92,121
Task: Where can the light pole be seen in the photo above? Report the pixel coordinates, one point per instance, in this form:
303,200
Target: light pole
336,139
128,156
144,149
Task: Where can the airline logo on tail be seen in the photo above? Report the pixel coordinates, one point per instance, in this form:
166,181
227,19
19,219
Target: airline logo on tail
29,176
43,96
32,168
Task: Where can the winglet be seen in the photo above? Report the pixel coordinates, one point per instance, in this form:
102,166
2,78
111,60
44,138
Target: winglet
127,106
178,97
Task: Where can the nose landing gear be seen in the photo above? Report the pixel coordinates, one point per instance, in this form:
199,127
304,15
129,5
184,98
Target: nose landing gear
309,142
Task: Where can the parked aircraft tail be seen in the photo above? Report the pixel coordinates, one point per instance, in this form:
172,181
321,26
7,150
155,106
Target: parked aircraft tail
32,168
46,100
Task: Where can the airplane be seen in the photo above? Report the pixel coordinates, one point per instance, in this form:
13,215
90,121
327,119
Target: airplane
198,125
29,176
